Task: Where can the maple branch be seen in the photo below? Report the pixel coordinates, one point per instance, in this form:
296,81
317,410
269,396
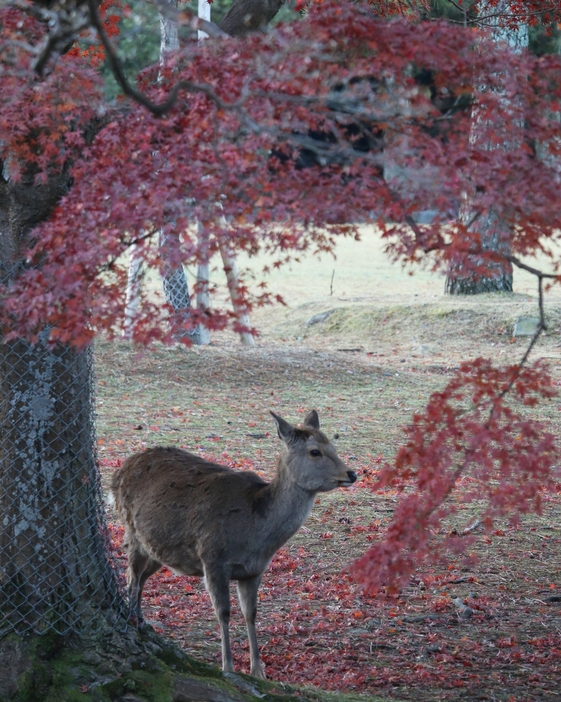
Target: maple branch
157,109
519,264
417,231
127,245
534,271
64,26
541,276
212,29
460,469
541,326
29,48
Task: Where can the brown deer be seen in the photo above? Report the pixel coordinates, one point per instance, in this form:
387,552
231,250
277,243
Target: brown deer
202,518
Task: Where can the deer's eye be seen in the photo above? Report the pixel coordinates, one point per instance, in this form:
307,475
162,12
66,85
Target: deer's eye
315,452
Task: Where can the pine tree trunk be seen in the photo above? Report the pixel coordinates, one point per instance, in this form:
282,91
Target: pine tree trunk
478,275
462,277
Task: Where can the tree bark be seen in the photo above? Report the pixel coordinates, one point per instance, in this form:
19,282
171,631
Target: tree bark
202,287
462,277
174,278
467,277
55,577
132,300
54,573
232,278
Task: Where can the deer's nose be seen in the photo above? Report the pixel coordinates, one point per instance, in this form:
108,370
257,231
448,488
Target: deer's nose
352,476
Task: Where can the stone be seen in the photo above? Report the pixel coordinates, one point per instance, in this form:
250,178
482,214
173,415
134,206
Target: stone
92,658
318,318
526,326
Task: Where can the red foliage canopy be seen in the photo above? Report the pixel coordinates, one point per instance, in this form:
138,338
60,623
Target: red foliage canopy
227,156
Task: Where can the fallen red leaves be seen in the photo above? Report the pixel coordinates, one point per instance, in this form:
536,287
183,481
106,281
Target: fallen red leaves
317,627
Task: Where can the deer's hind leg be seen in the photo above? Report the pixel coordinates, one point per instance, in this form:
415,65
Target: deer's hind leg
247,593
141,567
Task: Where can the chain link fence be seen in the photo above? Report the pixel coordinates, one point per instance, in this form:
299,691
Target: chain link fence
176,290
57,568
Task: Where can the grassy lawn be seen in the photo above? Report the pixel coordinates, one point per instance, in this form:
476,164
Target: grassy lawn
391,340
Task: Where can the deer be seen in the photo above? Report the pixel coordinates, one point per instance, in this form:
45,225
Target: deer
205,519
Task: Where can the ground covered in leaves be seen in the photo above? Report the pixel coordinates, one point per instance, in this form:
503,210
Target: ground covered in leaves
366,367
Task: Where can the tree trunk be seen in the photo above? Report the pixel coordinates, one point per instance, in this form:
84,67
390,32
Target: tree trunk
174,278
246,16
53,566
462,277
477,274
204,13
231,271
203,275
55,577
133,291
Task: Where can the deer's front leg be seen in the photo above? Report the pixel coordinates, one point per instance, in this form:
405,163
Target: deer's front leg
218,586
247,592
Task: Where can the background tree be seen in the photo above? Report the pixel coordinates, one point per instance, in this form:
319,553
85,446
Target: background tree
509,22
224,130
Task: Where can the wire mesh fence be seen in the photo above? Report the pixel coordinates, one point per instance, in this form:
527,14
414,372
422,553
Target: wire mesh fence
57,571
176,291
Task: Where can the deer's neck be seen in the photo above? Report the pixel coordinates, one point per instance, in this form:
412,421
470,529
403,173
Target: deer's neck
288,506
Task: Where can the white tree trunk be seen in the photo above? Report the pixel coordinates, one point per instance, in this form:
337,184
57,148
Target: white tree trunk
203,273
134,283
169,36
204,13
231,271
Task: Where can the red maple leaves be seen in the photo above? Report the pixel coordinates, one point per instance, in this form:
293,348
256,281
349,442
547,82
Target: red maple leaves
474,437
226,156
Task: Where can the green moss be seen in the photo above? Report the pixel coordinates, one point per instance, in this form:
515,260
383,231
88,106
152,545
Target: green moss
59,673
34,684
181,663
150,686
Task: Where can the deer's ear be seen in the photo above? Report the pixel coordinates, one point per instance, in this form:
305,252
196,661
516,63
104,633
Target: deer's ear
312,419
284,429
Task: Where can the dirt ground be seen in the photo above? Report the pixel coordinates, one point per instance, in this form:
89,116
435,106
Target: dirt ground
388,341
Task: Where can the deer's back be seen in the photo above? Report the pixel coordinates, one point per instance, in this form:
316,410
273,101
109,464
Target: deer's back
182,508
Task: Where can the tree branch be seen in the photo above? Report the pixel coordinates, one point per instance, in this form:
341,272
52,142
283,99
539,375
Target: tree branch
157,109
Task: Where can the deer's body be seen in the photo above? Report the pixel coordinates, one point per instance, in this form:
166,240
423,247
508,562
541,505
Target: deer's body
201,518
